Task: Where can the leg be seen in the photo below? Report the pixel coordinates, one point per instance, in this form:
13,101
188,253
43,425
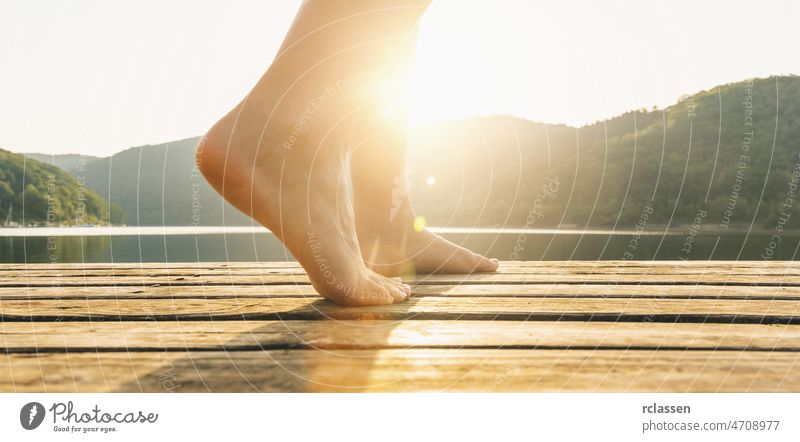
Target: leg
384,215
281,154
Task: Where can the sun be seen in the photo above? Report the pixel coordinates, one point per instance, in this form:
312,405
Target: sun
460,72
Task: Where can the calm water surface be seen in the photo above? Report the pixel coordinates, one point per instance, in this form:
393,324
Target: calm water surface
185,244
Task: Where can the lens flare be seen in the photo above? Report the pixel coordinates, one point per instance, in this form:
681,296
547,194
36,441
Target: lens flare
419,223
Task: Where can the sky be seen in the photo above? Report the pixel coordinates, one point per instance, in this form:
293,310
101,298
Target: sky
98,76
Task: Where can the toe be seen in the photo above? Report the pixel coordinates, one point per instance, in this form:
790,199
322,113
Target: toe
367,293
399,294
439,255
487,265
403,286
376,294
396,289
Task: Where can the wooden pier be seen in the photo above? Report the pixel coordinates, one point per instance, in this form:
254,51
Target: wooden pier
533,326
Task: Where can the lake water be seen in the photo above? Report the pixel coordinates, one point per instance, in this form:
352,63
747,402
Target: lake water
196,244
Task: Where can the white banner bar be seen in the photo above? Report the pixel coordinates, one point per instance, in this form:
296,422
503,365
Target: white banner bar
401,417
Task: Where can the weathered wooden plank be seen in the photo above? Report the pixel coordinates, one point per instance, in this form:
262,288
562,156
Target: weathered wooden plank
37,271
404,370
454,290
608,309
504,264
483,278
243,335
200,265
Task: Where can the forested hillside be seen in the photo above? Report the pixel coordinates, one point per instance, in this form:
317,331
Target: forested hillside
726,157
36,193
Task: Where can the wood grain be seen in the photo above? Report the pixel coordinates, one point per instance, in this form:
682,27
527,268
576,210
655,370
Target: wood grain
449,290
34,271
614,309
404,370
248,335
750,279
610,264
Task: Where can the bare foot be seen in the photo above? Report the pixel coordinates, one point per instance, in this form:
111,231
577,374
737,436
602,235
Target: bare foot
281,155
392,242
301,196
403,250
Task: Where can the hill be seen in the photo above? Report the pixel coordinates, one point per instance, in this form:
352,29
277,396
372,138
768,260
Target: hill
68,162
158,185
37,193
720,158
